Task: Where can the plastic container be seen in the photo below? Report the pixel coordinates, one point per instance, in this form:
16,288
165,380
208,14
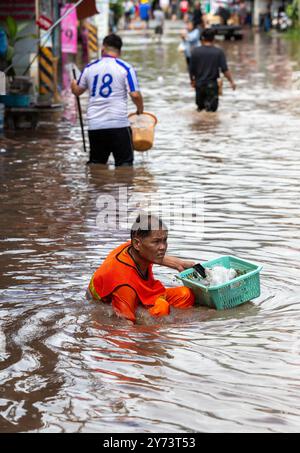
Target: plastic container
228,295
2,111
15,100
142,127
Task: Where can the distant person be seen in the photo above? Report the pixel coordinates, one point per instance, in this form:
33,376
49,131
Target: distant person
224,12
109,80
136,9
145,10
174,8
197,16
164,4
128,13
159,18
183,8
205,64
191,39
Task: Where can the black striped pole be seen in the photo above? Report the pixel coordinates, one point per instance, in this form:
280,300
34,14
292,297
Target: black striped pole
92,40
46,70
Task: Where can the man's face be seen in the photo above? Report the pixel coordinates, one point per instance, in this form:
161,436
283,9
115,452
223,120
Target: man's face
153,247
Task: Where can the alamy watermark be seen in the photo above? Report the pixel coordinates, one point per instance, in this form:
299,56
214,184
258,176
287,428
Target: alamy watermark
179,212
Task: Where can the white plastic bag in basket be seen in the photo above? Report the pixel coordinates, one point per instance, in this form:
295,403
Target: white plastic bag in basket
219,275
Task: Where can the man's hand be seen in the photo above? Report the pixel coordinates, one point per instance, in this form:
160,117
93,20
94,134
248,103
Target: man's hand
193,83
229,77
177,263
184,264
73,85
76,89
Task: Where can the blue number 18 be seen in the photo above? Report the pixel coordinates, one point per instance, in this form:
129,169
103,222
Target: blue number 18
105,89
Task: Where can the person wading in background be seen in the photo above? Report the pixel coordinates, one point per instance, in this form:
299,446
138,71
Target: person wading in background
109,80
205,64
190,39
159,18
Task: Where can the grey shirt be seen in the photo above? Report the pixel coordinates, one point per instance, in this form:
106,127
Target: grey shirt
159,17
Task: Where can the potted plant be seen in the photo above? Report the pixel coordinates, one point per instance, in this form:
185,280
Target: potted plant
13,31
10,35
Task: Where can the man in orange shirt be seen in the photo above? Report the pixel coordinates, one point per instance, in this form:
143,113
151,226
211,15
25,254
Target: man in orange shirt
125,278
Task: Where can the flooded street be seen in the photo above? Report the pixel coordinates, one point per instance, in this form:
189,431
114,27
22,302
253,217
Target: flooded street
67,366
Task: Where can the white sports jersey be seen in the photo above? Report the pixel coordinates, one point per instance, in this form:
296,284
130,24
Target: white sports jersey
108,80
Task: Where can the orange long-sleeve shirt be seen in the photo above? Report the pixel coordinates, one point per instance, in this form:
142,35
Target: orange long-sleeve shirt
119,281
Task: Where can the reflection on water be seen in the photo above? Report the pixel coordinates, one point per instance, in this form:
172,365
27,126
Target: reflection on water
67,365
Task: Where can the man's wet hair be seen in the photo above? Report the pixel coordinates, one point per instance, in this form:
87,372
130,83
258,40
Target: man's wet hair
113,41
208,35
144,224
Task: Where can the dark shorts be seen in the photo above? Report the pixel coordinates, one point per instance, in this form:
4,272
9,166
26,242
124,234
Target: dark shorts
158,30
207,96
117,141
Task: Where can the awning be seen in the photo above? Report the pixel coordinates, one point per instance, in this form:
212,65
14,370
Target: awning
18,9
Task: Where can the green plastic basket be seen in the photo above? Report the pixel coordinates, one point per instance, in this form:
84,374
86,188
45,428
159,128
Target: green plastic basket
228,295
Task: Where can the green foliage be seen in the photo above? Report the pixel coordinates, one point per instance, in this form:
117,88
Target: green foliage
293,11
13,30
293,34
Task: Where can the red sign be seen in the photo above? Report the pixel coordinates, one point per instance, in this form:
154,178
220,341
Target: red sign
44,22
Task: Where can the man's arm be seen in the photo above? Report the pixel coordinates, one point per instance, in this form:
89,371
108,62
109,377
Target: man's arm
76,89
177,263
225,70
228,76
137,99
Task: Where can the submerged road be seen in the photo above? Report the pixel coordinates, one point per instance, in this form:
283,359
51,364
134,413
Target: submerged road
66,365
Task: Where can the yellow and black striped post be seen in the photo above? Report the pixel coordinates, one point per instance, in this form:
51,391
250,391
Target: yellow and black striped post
92,41
46,71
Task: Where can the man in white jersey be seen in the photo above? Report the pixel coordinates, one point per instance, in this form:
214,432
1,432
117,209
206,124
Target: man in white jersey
109,80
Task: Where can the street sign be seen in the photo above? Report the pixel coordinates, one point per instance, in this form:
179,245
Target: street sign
44,22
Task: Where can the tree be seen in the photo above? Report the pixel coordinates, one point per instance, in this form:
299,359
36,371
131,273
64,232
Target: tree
293,12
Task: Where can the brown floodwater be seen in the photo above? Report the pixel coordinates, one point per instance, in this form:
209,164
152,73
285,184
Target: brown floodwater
69,366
